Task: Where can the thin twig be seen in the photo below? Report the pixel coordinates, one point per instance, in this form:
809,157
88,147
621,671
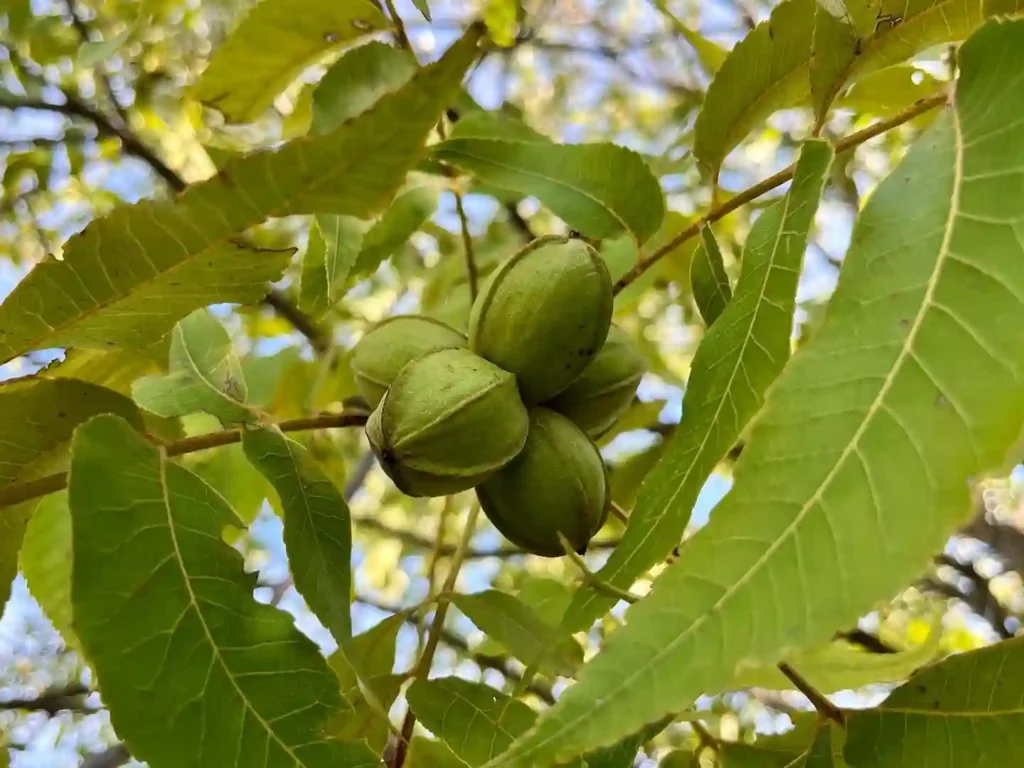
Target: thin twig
825,707
591,578
434,635
71,697
303,323
778,179
400,33
101,71
15,493
467,245
112,757
436,555
619,513
500,664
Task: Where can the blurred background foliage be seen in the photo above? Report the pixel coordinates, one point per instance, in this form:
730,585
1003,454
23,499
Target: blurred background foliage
96,111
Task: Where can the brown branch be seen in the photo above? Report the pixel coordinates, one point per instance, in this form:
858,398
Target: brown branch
16,493
69,698
467,245
979,599
825,707
767,185
112,757
303,323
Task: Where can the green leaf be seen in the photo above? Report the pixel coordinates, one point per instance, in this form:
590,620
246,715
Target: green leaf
766,71
92,53
900,29
427,753
526,636
803,747
913,384
741,355
620,255
356,81
166,614
367,655
623,754
334,243
128,277
708,280
475,721
889,90
839,665
967,710
363,665
423,7
547,598
862,15
275,41
39,416
835,44
116,370
45,562
711,55
317,525
600,190
228,472
407,214
205,375
626,476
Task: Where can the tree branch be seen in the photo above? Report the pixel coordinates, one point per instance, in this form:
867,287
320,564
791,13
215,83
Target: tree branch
754,192
16,493
71,698
112,757
83,32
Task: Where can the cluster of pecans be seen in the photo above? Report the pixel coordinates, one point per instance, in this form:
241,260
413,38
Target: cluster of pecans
512,409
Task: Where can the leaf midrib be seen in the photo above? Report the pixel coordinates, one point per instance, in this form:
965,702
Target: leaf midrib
310,516
875,406
201,375
649,531
194,601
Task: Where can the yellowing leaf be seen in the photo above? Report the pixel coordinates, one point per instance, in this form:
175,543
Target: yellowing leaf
129,277
741,355
865,446
270,47
166,614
